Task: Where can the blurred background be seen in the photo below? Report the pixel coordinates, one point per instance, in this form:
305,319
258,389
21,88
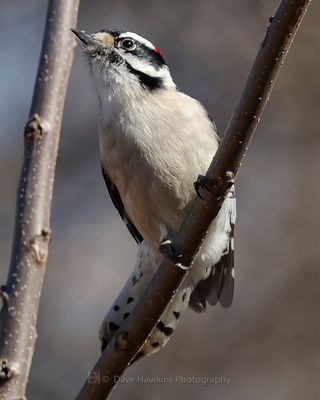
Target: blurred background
267,344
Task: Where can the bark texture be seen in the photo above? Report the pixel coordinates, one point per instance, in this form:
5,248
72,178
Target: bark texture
32,235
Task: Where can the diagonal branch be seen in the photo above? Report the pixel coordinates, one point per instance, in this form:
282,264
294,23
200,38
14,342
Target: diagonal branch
116,357
32,225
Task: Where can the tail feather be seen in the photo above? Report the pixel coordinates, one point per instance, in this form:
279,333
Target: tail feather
219,286
147,263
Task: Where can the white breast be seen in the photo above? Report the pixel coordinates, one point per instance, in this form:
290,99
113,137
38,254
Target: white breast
153,148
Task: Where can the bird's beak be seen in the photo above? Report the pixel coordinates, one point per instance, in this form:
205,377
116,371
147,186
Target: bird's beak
99,41
88,40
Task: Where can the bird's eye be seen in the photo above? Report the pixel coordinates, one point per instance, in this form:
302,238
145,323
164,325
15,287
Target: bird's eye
128,44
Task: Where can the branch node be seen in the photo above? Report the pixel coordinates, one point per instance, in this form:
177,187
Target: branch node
39,246
34,128
7,371
46,235
229,178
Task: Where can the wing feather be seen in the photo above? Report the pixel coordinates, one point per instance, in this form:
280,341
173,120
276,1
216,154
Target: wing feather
117,202
219,286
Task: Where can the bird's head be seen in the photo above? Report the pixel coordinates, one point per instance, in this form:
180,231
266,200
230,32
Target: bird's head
125,59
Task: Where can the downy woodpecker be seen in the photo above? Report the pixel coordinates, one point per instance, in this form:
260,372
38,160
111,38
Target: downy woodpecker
154,142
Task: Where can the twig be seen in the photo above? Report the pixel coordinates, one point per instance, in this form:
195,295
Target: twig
32,225
116,357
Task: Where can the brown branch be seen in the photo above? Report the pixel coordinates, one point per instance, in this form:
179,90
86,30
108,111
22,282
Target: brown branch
32,225
116,357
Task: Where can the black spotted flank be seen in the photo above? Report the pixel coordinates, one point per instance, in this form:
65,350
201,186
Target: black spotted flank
168,331
155,344
126,315
176,314
116,307
164,329
113,327
148,82
130,300
160,326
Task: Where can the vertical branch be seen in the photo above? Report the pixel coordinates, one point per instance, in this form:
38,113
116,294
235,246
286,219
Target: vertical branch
225,165
21,294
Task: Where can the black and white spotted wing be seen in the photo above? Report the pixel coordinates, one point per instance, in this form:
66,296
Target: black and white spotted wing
219,286
224,276
117,202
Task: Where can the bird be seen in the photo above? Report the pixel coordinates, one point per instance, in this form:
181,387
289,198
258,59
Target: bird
156,144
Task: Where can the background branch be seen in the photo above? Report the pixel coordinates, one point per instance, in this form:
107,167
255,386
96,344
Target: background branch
32,225
188,239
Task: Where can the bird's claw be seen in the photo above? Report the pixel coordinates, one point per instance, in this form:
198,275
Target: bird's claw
201,183
166,248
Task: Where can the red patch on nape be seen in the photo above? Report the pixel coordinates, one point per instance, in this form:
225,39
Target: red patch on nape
158,51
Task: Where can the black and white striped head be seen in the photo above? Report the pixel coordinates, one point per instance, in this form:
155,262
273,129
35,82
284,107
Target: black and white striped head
126,59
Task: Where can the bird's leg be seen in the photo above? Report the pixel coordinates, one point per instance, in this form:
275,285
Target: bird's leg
201,183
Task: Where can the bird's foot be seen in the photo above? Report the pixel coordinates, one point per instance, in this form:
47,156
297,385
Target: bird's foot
200,184
166,248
